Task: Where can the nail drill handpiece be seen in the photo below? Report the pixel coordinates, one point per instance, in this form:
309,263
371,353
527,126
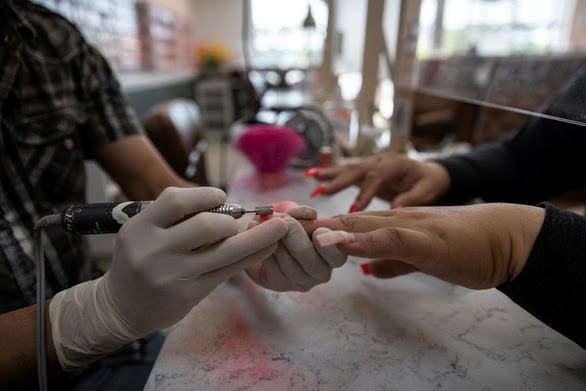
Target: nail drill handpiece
91,219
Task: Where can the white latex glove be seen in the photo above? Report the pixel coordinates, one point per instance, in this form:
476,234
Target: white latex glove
160,271
299,263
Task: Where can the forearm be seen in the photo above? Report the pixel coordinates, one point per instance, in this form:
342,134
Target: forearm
138,168
542,160
18,365
551,285
488,171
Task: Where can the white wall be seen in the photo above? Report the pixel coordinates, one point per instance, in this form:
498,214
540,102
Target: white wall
350,21
219,21
181,7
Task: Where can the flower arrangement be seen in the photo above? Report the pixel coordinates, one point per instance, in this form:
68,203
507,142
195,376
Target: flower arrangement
211,56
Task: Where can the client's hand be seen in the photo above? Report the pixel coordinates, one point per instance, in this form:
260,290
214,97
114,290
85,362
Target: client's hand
163,265
480,246
393,177
299,263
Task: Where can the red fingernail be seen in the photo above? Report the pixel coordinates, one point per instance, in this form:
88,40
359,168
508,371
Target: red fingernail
365,269
264,217
312,172
353,208
317,191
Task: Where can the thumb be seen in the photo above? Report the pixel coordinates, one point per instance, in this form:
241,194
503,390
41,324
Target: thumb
417,195
387,268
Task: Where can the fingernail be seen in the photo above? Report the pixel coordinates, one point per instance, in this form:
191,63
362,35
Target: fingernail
334,237
353,208
264,217
317,191
366,269
312,172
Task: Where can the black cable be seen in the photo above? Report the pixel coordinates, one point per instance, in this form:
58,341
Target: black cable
42,223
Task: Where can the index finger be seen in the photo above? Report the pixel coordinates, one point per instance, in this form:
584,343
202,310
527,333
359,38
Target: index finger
175,203
356,222
345,179
241,245
400,244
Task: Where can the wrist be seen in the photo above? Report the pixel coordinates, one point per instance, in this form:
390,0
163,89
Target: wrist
441,178
86,325
530,220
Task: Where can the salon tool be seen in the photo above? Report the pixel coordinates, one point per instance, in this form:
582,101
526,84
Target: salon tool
103,218
87,219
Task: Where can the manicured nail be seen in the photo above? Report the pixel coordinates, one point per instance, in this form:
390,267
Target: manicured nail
366,269
317,191
353,208
264,217
334,237
312,172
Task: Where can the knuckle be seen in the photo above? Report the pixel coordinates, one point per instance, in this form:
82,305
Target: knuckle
347,221
393,235
172,197
373,175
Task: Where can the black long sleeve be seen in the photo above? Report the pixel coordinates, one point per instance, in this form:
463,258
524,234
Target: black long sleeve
545,158
552,285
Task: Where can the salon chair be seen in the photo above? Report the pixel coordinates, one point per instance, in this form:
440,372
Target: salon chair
175,129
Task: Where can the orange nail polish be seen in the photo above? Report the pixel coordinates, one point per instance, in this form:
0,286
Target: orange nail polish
353,208
317,191
365,269
312,172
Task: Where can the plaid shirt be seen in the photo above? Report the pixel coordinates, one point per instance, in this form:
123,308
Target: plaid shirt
59,102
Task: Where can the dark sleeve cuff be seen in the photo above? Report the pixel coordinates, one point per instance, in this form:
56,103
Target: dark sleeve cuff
462,177
552,285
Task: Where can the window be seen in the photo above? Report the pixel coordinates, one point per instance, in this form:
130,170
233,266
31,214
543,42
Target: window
279,38
494,27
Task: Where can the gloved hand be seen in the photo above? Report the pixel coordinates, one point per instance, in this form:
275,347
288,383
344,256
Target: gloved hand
160,270
299,263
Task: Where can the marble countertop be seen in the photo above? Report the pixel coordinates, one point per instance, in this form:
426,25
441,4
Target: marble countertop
359,333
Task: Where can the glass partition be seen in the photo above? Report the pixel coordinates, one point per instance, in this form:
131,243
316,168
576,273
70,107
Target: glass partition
524,56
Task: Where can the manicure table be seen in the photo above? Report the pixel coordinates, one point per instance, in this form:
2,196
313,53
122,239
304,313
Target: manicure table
358,332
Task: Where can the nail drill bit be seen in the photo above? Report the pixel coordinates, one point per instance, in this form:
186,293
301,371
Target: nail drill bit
238,211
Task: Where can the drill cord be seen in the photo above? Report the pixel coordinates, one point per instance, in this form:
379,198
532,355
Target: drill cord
43,222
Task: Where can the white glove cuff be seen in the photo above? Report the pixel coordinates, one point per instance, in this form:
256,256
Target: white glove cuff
86,324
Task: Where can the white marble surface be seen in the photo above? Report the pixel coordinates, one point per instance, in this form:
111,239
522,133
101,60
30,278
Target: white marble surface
360,333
